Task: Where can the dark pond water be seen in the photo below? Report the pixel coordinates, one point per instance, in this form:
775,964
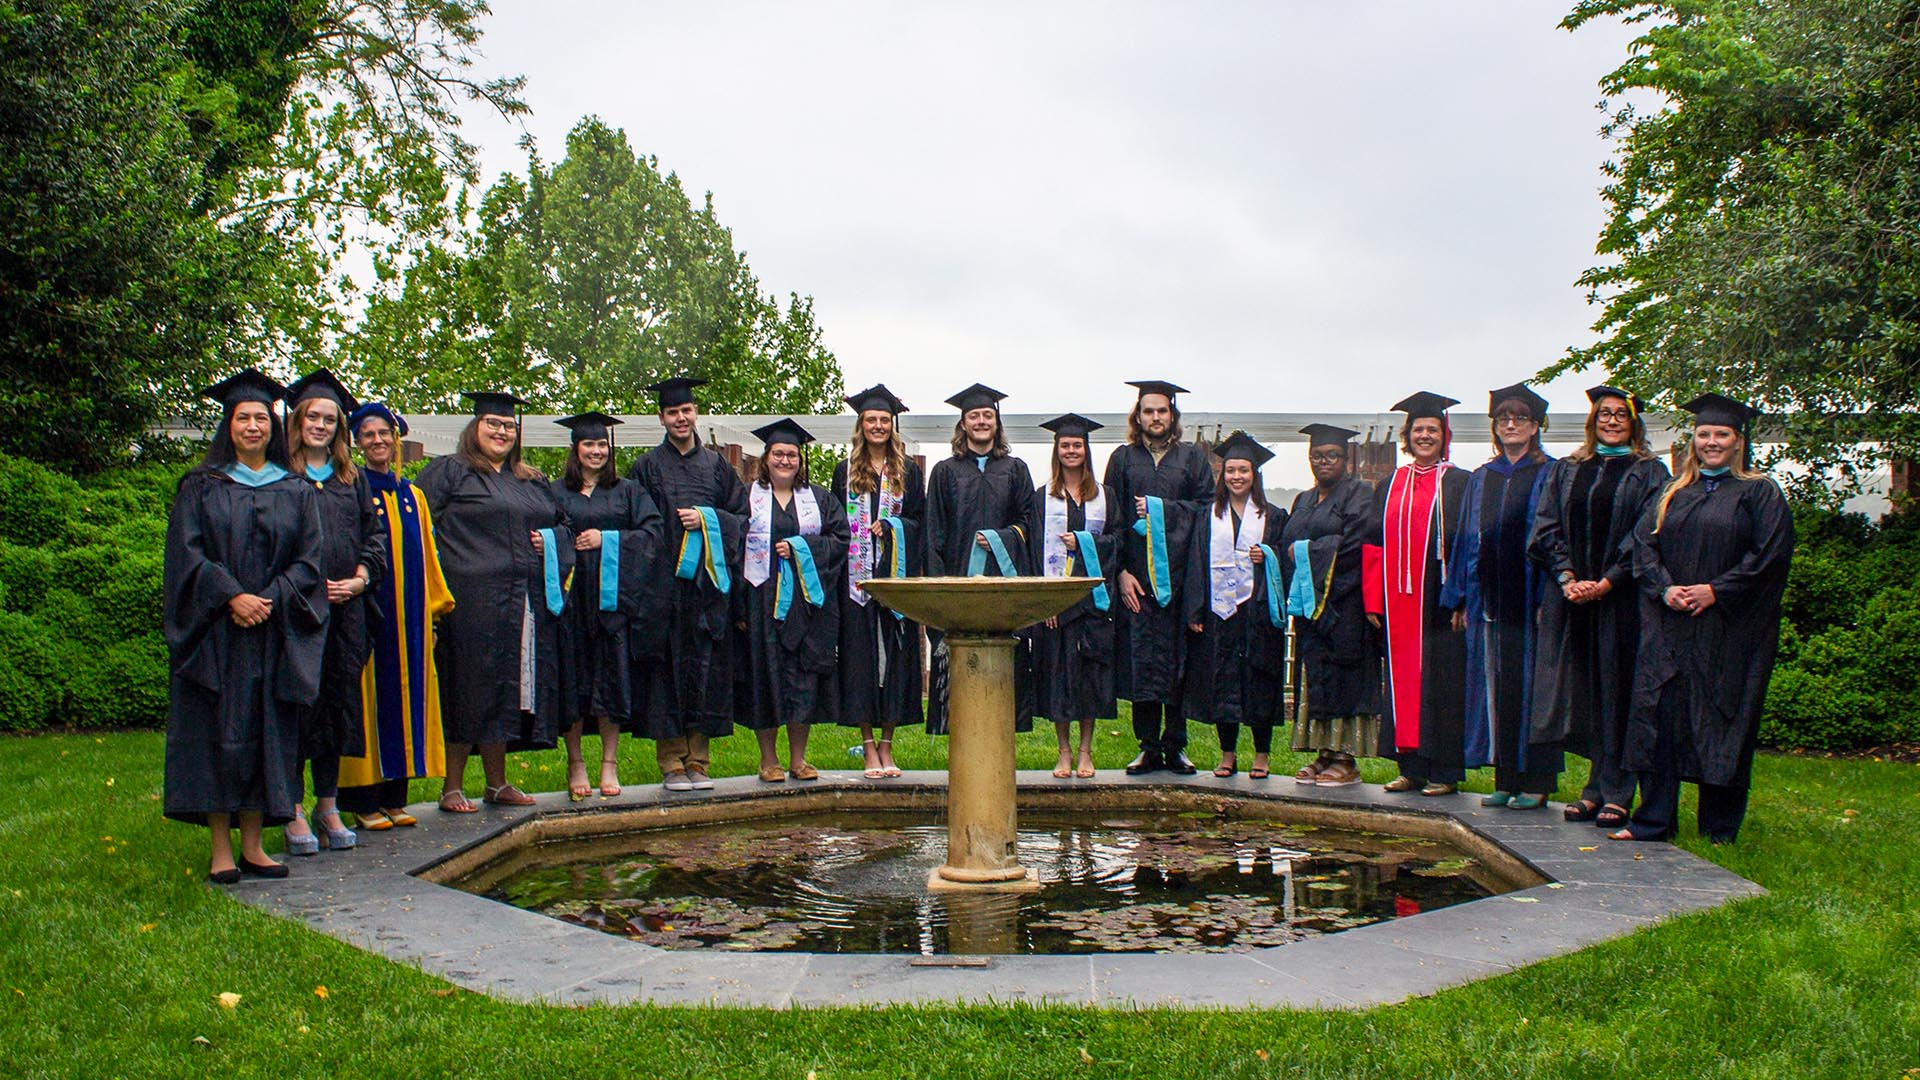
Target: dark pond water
857,883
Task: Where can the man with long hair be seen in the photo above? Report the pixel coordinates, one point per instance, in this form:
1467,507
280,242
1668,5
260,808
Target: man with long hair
684,673
1160,488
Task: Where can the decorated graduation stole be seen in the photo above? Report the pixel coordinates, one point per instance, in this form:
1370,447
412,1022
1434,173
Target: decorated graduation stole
977,556
1230,571
550,570
809,583
896,566
610,570
863,551
1153,526
760,527
702,549
1084,538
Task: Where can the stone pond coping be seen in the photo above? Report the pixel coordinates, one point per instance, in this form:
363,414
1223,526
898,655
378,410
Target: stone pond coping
374,898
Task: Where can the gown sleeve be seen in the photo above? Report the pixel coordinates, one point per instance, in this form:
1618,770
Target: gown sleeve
1461,590
1547,545
196,586
1765,561
1644,548
939,519
299,591
1373,579
1652,477
439,598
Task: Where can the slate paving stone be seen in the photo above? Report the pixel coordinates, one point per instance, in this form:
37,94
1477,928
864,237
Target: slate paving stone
1514,929
868,979
1353,969
1231,980
708,977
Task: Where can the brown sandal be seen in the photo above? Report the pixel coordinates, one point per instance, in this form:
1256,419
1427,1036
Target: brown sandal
773,774
804,771
1400,785
461,805
507,795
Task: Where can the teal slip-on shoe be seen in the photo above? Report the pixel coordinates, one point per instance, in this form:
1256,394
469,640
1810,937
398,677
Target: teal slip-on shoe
1498,798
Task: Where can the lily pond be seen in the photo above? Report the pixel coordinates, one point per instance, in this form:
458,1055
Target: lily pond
857,883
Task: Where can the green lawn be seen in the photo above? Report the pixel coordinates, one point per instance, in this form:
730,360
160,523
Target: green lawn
113,951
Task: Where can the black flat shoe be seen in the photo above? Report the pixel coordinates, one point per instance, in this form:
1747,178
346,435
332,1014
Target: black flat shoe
1178,763
1148,762
224,877
268,869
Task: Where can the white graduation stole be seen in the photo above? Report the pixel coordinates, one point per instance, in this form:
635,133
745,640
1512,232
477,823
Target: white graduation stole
760,527
1230,570
1053,557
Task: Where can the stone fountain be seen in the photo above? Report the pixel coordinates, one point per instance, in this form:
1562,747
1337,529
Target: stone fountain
979,616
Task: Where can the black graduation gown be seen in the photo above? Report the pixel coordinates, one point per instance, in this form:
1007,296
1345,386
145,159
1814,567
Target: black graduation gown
1583,661
1236,665
482,521
788,670
353,533
1738,538
1073,663
683,662
235,696
963,498
599,641
1442,660
1336,651
869,632
1150,647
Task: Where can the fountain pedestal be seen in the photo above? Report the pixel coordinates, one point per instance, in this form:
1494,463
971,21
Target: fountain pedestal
979,616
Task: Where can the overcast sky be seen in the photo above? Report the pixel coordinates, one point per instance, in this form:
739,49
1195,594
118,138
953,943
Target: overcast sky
1282,206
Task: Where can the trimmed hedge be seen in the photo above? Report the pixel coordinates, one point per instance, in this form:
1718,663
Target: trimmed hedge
80,639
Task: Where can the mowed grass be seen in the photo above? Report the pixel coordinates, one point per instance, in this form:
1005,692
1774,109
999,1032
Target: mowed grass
113,952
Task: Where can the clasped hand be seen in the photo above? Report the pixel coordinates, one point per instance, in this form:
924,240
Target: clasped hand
249,610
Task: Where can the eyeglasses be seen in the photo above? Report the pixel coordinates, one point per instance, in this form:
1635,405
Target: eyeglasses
1512,421
1331,457
497,424
785,459
1613,414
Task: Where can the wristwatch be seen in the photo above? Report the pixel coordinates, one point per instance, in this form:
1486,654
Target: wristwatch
1565,576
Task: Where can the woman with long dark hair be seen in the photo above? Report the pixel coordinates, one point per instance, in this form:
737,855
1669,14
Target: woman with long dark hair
400,688
1336,662
885,497
617,538
506,548
1073,651
1236,662
789,613
1496,592
1590,616
353,558
1416,525
1711,556
245,612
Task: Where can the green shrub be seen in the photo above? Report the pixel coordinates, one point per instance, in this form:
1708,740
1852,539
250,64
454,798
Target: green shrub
29,689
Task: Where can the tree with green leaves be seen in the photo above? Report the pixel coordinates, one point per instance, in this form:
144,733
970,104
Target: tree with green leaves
581,283
1763,235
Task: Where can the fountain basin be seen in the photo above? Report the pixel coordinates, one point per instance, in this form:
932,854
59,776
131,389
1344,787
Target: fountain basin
979,605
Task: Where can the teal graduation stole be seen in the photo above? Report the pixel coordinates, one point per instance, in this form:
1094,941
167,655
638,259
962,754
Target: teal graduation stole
1612,451
703,548
550,569
1301,598
896,531
1153,526
977,556
815,593
254,477
609,570
1084,540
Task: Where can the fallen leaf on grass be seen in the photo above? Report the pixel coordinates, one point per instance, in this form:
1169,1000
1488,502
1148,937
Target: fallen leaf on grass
1085,1058
202,1040
109,781
147,928
303,1029
228,999
1262,1055
320,992
448,992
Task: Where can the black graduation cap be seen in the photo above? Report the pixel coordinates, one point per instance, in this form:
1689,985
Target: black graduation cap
1712,408
1327,435
320,383
1521,392
1072,425
1155,386
382,410
248,385
590,425
876,397
675,391
977,397
1633,401
783,430
494,403
1239,446
1425,404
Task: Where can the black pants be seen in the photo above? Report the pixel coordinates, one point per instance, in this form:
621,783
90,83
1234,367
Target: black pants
1609,781
1230,737
1417,766
365,800
1161,727
1722,806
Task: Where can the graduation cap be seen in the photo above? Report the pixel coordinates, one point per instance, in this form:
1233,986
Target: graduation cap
1425,404
1239,446
1535,404
590,425
783,430
381,410
977,397
675,391
1327,435
1155,386
1712,408
320,383
1071,425
494,403
248,385
1634,404
876,398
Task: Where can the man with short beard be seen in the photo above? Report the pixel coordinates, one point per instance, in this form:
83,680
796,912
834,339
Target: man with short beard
1151,643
